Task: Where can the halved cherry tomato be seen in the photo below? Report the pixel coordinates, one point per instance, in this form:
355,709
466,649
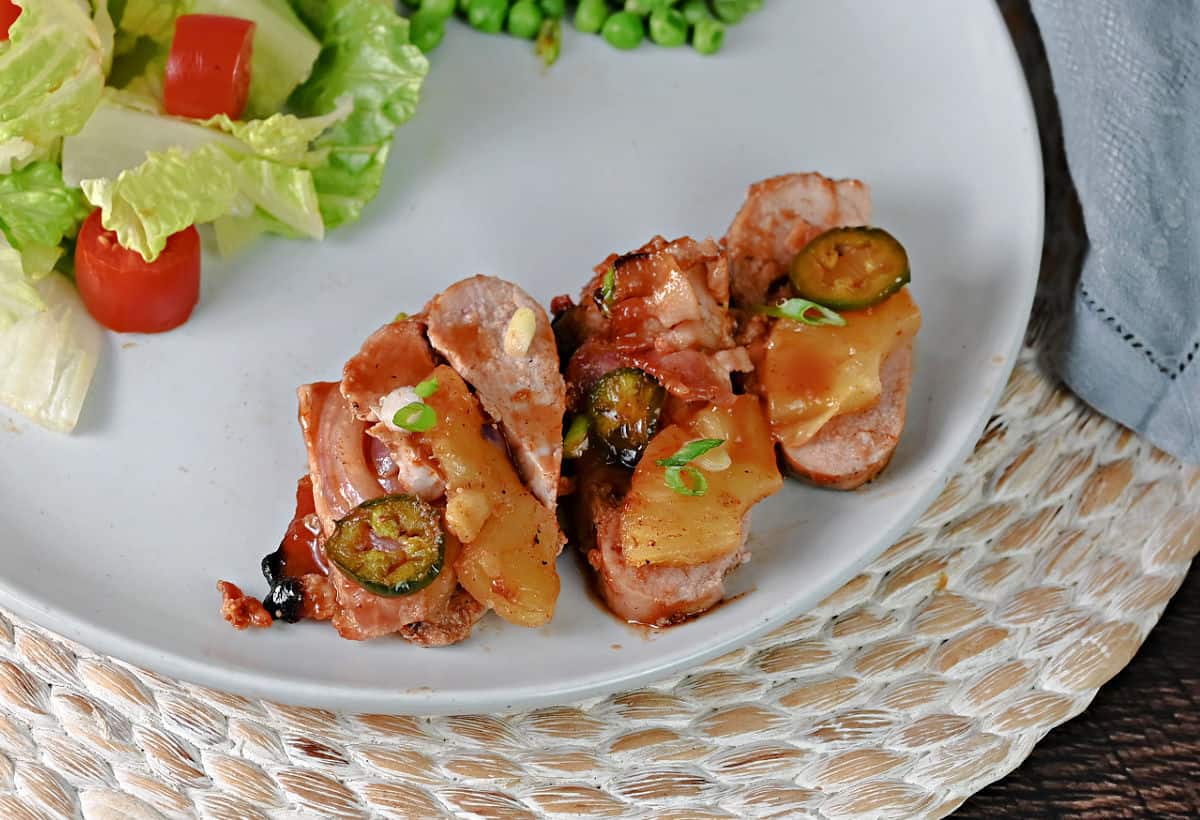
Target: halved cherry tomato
9,12
126,293
208,69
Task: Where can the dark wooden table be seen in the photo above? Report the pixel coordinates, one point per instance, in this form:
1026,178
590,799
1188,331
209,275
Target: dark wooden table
1135,753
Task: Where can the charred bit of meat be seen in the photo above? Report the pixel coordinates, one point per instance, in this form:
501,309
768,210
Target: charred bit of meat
240,609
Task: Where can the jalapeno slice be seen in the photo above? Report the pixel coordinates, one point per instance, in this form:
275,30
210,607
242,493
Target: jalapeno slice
624,406
850,268
390,546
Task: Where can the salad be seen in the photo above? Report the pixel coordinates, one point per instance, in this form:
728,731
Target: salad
125,124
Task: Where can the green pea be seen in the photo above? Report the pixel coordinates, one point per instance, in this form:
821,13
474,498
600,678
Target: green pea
694,11
668,28
524,19
440,8
426,30
729,11
624,30
590,16
487,15
708,36
554,9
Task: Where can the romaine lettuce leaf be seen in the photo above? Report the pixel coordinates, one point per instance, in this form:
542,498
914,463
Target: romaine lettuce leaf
37,208
284,50
281,137
367,56
168,192
18,297
48,357
118,138
106,31
287,194
153,19
51,74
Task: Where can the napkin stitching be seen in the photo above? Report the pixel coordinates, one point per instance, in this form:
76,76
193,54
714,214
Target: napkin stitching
1137,344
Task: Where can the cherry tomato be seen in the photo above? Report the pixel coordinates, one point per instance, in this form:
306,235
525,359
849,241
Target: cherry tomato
9,12
126,293
208,69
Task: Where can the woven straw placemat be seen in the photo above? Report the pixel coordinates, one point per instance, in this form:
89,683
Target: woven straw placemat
1031,580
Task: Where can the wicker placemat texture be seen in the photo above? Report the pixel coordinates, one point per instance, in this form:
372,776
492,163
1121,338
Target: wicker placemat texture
1030,581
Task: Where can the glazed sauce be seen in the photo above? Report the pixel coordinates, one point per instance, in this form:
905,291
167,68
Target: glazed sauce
811,374
301,549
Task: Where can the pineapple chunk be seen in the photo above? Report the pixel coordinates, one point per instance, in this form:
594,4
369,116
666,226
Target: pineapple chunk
509,540
660,526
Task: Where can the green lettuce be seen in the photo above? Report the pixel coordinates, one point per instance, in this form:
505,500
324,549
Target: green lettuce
118,137
286,194
48,356
18,297
37,212
36,208
152,19
281,137
51,75
168,192
150,174
366,57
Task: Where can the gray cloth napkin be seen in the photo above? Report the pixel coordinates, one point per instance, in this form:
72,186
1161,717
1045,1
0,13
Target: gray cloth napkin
1127,77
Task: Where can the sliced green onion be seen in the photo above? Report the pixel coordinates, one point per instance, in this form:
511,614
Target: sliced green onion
417,417
575,442
678,467
691,450
549,42
608,288
426,388
400,317
800,310
675,480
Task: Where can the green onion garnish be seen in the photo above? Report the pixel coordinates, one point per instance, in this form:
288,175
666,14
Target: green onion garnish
549,42
400,317
417,417
426,388
690,451
678,466
608,289
575,442
675,480
800,310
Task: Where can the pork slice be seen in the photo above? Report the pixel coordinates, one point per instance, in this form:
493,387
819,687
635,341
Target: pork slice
854,448
521,389
780,216
362,615
343,477
650,594
452,625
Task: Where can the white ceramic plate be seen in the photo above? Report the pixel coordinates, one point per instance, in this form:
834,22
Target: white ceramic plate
184,465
